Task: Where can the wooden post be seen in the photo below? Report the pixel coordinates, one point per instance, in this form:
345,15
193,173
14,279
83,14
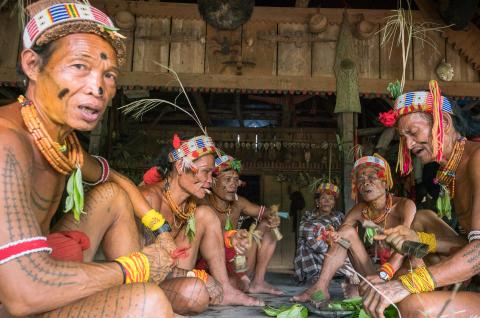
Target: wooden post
347,104
347,124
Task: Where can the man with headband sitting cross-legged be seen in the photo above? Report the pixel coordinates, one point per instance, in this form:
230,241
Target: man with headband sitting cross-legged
371,181
229,206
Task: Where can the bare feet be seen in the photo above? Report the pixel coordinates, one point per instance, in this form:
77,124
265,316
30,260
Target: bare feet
305,296
264,288
350,290
235,297
243,283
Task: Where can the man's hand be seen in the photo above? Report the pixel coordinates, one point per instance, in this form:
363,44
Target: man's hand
241,242
161,262
272,218
397,235
375,304
364,287
166,241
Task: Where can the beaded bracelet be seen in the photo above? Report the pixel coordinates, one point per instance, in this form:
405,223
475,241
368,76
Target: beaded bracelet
153,219
418,281
473,235
429,239
105,171
136,267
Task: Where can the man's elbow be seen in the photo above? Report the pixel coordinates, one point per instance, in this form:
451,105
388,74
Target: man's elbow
24,305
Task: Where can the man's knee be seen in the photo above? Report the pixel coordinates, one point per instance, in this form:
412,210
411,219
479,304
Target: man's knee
187,295
111,195
411,308
206,216
348,232
156,302
422,218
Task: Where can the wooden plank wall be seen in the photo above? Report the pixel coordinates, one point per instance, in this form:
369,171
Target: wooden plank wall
266,46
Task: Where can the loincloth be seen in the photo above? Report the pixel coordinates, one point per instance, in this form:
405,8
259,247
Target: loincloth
68,245
229,256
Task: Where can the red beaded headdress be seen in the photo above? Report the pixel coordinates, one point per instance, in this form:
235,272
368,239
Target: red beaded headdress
431,102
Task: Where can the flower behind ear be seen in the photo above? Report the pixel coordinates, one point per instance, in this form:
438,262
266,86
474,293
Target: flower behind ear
388,119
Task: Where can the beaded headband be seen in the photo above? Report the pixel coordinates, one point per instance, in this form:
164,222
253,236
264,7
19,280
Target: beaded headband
61,19
329,188
430,102
375,161
227,162
190,150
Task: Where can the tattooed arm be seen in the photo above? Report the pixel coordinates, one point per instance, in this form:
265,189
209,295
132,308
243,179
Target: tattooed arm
252,209
465,263
92,171
35,282
406,209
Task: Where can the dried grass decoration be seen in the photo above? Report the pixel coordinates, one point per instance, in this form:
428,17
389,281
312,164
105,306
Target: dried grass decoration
400,30
139,108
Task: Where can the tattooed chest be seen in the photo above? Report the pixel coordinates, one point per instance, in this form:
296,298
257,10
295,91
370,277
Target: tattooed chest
45,194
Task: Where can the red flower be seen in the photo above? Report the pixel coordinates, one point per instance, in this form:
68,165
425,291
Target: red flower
388,119
176,141
381,174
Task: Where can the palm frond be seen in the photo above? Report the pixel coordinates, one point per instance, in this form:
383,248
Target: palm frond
141,107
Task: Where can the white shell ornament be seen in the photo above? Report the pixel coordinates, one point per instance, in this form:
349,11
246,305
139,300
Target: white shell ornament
445,71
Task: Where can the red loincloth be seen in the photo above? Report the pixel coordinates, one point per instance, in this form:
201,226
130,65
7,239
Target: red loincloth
229,255
68,245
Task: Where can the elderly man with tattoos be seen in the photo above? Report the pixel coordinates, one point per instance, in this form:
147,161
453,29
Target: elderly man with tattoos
229,206
70,63
434,129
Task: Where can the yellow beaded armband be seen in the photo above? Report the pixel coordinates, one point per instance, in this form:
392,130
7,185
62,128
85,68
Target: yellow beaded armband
429,239
418,281
135,267
153,220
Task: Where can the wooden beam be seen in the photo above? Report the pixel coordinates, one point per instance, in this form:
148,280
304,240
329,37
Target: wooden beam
271,84
302,3
202,109
238,109
263,14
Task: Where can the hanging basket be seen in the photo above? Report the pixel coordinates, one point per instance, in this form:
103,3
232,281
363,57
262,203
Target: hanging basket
226,14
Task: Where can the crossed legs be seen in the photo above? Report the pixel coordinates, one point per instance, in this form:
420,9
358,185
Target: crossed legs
335,258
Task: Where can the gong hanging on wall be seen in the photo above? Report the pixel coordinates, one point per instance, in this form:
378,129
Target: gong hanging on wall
226,14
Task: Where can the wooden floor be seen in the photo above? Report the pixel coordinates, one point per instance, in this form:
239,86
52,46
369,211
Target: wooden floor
282,281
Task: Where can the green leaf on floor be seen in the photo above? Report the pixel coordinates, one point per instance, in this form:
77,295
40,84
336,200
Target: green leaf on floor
294,311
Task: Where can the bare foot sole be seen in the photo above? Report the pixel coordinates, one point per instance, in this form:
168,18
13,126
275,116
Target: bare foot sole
236,297
350,290
305,296
264,288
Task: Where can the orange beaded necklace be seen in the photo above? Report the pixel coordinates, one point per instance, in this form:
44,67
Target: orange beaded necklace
51,150
184,214
446,175
214,205
367,213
